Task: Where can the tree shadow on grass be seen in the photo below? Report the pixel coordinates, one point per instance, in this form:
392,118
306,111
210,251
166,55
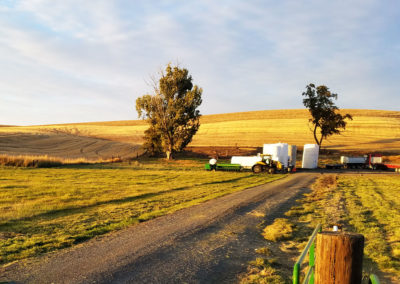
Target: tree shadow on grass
52,214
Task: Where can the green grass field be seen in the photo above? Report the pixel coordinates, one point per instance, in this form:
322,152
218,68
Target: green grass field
373,204
46,209
368,204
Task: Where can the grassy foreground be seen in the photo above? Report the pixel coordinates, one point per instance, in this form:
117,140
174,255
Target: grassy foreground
46,209
366,204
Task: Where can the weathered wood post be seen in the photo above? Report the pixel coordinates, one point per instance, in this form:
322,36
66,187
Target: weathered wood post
339,258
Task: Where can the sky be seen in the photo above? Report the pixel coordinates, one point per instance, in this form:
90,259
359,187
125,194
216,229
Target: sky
64,61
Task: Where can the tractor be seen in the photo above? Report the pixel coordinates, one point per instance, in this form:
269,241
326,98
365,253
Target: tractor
267,165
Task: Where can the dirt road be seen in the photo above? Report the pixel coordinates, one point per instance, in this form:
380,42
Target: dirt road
208,243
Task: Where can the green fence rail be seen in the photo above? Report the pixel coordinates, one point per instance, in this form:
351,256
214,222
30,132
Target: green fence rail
310,247
373,279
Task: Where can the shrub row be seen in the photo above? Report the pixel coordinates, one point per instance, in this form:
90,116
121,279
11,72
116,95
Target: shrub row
47,162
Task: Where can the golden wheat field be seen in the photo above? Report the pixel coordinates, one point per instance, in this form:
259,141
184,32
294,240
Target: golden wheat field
370,130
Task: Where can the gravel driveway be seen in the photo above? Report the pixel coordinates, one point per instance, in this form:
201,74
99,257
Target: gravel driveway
207,243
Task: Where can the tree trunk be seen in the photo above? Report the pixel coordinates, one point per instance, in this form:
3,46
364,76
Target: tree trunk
315,136
169,147
338,258
169,151
320,141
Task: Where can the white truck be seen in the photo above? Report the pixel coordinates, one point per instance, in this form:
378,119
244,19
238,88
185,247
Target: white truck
371,161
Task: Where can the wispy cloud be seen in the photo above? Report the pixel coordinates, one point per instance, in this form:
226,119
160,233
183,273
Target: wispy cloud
95,57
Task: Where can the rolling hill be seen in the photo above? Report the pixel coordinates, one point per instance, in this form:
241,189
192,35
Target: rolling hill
370,130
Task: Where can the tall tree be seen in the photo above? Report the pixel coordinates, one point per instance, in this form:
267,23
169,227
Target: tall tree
325,114
171,112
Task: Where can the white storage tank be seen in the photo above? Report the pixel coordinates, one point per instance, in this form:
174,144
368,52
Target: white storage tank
271,149
310,156
284,154
352,160
292,155
278,151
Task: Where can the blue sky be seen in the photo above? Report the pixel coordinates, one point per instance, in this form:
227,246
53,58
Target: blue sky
76,61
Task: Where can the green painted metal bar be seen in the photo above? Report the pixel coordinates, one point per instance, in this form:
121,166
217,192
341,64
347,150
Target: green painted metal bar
312,276
309,276
311,262
223,167
310,245
312,255
373,279
296,273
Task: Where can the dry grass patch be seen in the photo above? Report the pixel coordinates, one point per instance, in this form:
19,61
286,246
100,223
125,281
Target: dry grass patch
280,229
48,162
262,271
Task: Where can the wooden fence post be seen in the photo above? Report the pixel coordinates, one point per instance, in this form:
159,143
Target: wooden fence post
339,258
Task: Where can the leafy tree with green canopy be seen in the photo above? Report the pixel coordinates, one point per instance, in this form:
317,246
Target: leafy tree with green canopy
325,114
171,112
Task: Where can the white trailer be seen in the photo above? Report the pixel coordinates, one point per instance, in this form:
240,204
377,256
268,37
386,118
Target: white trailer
246,162
371,161
353,160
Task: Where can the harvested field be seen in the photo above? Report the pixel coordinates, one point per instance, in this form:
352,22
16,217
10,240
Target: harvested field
120,131
370,131
64,146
